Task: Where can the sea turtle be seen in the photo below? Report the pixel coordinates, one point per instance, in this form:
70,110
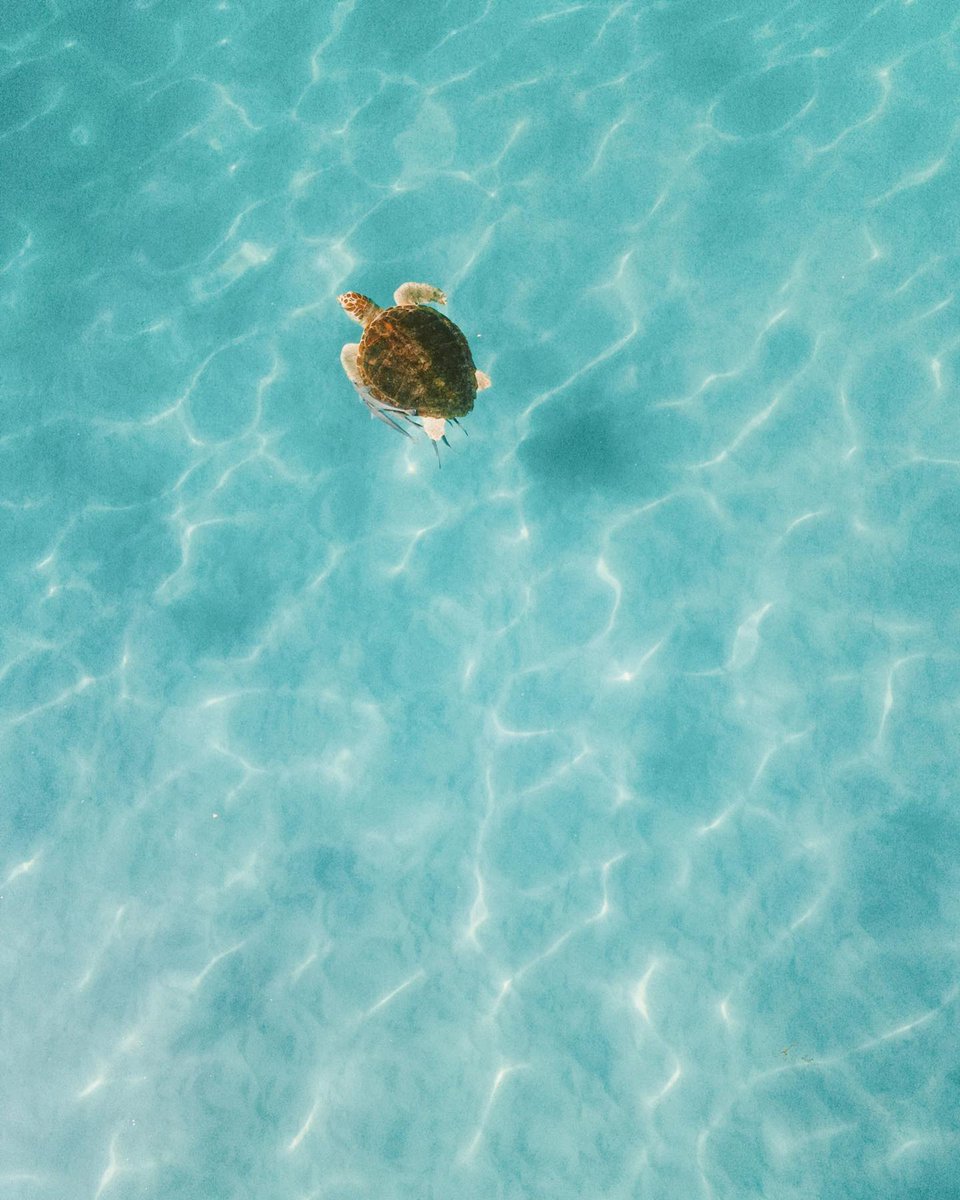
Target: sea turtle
412,361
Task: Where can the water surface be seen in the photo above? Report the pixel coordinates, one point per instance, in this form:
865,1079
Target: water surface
578,820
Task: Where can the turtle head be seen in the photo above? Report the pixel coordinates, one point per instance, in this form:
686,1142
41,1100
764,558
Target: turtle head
361,308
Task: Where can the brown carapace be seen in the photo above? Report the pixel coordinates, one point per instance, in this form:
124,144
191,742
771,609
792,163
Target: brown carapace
416,358
412,361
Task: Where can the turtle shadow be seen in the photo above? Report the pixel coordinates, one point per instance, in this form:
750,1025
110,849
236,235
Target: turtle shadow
588,448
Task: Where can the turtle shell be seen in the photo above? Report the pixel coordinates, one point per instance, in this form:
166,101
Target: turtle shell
413,357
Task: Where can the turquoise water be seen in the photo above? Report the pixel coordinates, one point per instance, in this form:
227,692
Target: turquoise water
578,820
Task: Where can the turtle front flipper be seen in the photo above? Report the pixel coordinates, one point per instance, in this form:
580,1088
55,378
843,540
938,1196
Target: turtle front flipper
348,360
418,293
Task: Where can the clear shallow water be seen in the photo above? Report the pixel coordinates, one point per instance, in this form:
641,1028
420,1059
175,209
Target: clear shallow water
578,820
